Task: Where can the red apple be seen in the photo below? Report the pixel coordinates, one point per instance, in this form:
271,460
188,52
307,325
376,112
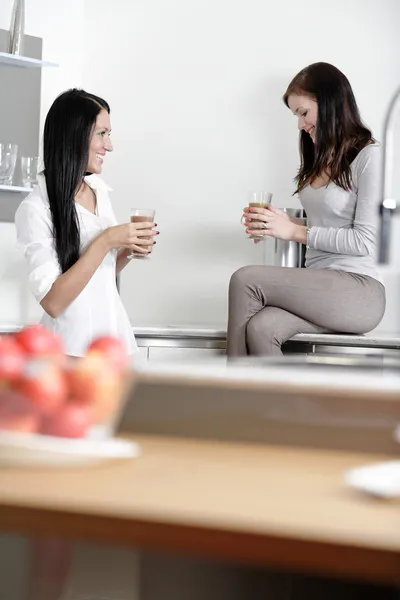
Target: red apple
17,413
113,349
93,381
12,359
72,420
38,341
44,384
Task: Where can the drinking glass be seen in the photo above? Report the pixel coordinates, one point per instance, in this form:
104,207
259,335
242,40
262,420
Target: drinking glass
8,159
258,200
29,169
142,215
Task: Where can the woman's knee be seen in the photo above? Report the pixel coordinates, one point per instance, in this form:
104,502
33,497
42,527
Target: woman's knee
253,331
239,278
261,339
261,335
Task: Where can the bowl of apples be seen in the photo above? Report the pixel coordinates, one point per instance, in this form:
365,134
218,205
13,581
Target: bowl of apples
61,411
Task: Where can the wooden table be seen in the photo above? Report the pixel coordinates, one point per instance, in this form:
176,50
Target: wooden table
264,505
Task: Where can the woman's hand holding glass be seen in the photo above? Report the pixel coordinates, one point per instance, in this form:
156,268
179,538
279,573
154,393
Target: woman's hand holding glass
136,237
270,221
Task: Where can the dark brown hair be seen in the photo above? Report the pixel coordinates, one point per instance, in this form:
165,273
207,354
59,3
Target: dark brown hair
340,133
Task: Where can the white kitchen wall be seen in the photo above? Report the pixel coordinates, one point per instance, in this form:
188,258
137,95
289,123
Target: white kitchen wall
195,89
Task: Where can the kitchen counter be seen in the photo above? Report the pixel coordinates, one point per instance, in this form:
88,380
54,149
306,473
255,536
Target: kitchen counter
252,504
369,340
381,340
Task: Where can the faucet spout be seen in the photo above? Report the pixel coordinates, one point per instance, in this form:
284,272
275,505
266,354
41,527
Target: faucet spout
388,205
384,235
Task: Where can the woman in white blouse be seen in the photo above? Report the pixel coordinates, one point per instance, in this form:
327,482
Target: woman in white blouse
68,232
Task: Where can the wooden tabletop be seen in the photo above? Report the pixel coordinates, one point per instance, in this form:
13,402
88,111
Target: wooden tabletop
282,507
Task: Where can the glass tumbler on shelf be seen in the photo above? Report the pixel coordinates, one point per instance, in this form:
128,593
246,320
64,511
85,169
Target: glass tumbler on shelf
29,169
8,160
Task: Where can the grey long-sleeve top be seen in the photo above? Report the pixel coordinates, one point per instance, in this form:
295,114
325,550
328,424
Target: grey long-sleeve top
343,224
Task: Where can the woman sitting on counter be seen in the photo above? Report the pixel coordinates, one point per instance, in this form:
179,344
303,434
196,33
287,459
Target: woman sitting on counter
338,184
68,232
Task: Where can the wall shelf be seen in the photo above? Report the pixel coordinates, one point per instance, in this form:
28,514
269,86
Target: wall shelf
15,188
23,61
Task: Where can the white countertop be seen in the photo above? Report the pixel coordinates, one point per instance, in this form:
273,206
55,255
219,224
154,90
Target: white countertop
180,331
385,340
381,340
388,340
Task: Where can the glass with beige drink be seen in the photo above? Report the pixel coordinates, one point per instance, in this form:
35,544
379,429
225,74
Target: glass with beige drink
258,200
142,215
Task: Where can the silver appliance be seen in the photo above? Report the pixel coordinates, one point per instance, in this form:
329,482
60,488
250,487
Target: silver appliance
283,253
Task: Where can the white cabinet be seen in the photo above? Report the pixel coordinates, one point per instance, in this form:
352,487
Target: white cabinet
180,345
165,354
144,352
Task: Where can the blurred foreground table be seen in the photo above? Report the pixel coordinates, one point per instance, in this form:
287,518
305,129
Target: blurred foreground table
278,507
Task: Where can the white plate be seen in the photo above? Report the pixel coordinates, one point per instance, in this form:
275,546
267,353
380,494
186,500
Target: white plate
381,479
32,450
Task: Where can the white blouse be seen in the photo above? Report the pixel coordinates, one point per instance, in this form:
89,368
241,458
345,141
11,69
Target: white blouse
98,310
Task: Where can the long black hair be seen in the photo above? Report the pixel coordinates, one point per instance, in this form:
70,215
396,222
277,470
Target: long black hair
67,132
340,133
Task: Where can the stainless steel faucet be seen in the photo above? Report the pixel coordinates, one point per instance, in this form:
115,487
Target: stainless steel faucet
388,206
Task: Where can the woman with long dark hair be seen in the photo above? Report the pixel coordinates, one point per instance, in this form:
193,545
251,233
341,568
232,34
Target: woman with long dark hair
338,184
68,232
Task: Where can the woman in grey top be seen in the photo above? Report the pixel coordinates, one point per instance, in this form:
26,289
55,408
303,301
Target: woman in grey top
338,185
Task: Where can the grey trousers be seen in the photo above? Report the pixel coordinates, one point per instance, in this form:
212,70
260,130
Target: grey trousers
268,305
